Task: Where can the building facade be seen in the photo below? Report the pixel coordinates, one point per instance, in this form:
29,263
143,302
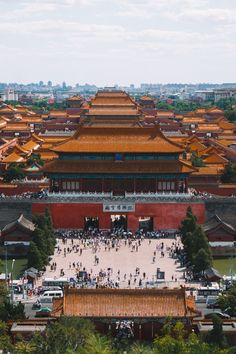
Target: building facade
113,151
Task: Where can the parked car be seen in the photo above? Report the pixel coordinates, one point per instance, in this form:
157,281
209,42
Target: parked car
223,316
230,311
211,302
43,312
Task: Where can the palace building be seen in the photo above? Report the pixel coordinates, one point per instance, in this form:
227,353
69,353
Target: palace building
113,151
115,156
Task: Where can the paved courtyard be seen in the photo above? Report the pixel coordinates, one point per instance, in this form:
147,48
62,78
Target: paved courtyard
131,264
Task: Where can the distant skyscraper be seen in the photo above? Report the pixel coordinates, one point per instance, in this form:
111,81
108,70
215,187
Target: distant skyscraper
63,85
50,83
40,83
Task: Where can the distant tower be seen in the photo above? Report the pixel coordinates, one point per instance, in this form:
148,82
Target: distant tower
64,85
49,83
40,83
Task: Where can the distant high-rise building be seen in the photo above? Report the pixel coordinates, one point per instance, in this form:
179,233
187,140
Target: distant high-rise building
50,83
9,95
64,85
40,83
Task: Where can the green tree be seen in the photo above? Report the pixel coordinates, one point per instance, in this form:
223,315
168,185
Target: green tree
195,345
24,348
97,344
187,227
196,160
228,298
140,348
169,345
229,175
164,105
216,336
40,239
188,224
5,341
230,114
67,335
201,261
226,103
34,257
48,219
44,234
10,311
200,241
35,158
195,242
13,172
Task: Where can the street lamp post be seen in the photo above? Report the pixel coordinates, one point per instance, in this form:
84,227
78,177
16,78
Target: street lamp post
12,288
6,270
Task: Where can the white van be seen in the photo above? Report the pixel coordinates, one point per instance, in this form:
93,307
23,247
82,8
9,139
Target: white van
52,293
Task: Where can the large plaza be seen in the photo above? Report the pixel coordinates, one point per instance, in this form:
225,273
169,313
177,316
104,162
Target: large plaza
119,262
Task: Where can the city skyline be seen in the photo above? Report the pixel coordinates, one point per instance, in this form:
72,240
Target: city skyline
108,42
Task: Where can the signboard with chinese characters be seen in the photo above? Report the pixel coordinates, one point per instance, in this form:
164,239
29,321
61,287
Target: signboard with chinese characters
119,208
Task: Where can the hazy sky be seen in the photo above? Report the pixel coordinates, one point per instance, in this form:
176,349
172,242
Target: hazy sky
117,41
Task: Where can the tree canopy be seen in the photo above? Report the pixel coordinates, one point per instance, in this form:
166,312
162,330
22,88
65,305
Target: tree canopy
196,160
13,172
229,175
43,241
195,243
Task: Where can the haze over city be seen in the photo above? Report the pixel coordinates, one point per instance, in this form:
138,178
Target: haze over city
106,42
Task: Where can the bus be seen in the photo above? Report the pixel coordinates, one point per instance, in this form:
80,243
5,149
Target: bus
51,282
205,291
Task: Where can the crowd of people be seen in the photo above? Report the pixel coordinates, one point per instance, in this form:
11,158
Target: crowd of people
117,232
44,194
73,244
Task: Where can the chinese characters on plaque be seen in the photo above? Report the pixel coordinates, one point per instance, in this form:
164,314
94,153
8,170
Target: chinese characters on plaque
119,207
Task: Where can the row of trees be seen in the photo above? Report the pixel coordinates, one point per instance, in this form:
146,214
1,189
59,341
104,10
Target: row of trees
179,106
184,106
195,243
73,335
43,241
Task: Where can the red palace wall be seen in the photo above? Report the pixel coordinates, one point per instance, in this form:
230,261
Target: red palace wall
165,215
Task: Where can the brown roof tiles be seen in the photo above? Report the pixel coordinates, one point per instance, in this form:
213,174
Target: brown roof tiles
121,303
